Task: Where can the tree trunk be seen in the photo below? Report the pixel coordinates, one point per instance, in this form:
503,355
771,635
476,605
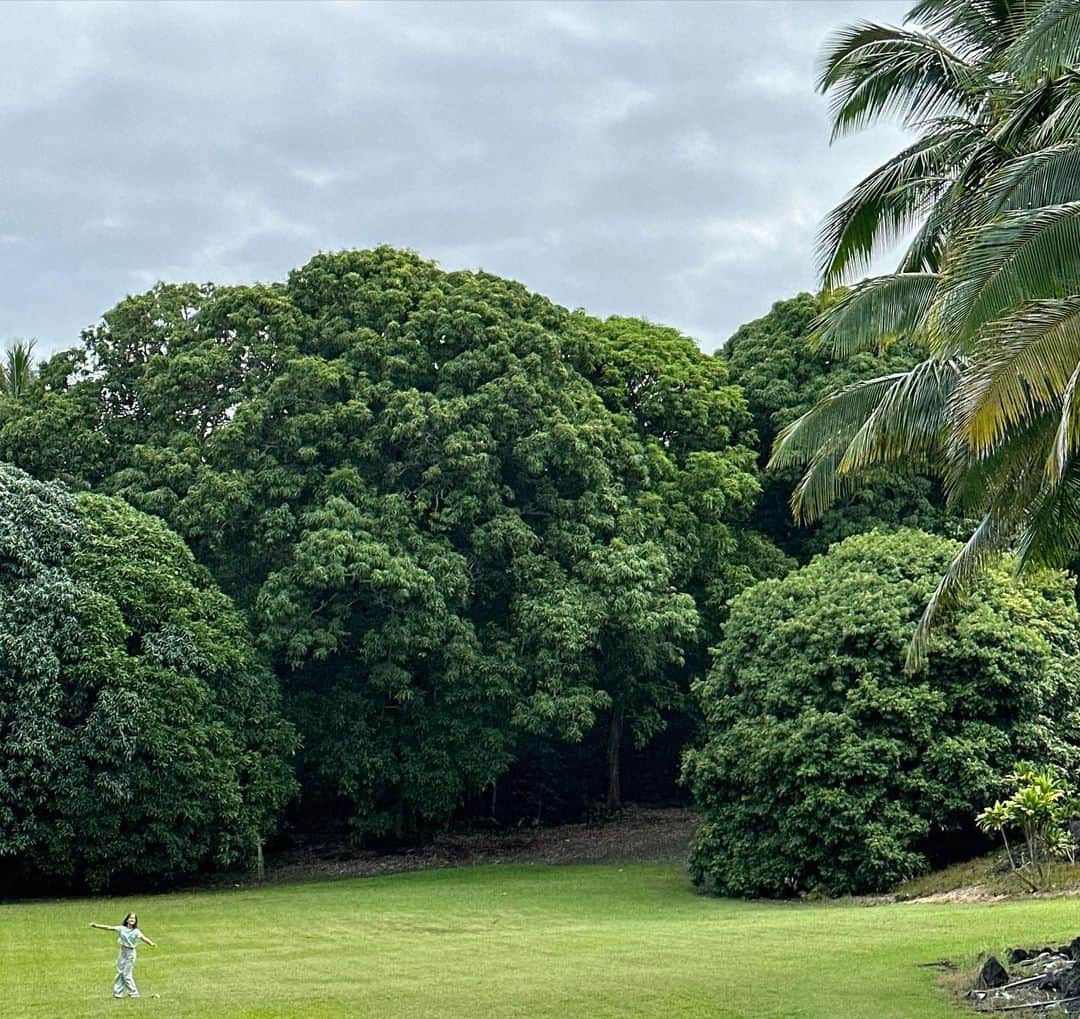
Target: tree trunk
614,753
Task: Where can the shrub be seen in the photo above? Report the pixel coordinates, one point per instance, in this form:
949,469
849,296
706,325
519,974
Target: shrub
140,737
828,770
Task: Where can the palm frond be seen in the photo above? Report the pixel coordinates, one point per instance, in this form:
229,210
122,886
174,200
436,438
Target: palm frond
1062,123
1027,255
870,422
875,70
888,201
926,249
18,371
1012,471
908,421
1010,487
1052,533
1049,42
1047,176
875,312
1024,112
978,28
1021,368
820,487
830,423
953,211
1065,440
988,538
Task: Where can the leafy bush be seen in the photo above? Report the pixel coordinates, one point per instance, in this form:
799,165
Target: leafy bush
140,736
826,768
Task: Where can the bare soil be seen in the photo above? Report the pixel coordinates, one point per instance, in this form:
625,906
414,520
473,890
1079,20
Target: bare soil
986,879
634,835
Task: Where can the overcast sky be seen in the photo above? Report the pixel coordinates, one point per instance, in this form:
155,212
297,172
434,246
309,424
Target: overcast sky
657,159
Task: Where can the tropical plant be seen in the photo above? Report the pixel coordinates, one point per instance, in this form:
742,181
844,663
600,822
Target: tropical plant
18,371
989,283
1040,807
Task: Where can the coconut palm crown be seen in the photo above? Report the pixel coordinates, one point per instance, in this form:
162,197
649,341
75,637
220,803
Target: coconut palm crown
989,283
17,370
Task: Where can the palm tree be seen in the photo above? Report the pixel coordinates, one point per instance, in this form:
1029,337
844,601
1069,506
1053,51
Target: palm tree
990,283
17,371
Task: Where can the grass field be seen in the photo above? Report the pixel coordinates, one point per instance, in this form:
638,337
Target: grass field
505,941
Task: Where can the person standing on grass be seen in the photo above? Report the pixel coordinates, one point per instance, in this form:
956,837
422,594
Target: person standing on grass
130,936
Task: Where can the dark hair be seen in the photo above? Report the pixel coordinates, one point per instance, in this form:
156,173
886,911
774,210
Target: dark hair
128,917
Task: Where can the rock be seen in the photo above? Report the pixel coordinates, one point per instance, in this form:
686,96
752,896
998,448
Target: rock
1063,979
1069,983
992,974
1019,955
1074,950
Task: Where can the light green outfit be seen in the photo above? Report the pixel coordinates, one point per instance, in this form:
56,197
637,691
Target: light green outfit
125,962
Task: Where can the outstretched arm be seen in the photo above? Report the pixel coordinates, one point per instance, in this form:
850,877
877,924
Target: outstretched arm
102,927
147,940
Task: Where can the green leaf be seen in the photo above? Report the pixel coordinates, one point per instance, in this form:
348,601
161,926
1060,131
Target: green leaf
875,312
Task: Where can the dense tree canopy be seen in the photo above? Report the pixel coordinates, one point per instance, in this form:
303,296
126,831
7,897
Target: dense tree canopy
141,733
455,511
829,770
481,539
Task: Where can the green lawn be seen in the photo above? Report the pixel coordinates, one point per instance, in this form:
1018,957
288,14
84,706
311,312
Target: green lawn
516,941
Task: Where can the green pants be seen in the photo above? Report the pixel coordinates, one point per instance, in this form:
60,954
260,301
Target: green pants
125,963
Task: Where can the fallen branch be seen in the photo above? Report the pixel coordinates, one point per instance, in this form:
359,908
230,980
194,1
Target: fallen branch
1041,957
1057,964
1031,1004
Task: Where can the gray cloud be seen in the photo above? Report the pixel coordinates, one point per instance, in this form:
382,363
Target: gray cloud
667,160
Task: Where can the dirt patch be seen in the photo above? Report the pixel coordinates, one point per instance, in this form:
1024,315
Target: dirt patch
976,893
979,893
986,879
636,835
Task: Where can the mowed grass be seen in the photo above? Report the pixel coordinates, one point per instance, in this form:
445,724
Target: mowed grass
505,941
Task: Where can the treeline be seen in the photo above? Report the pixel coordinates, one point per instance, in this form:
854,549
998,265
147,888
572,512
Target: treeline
381,546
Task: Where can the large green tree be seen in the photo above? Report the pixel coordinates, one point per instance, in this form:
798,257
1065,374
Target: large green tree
442,499
826,769
698,497
140,733
988,285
